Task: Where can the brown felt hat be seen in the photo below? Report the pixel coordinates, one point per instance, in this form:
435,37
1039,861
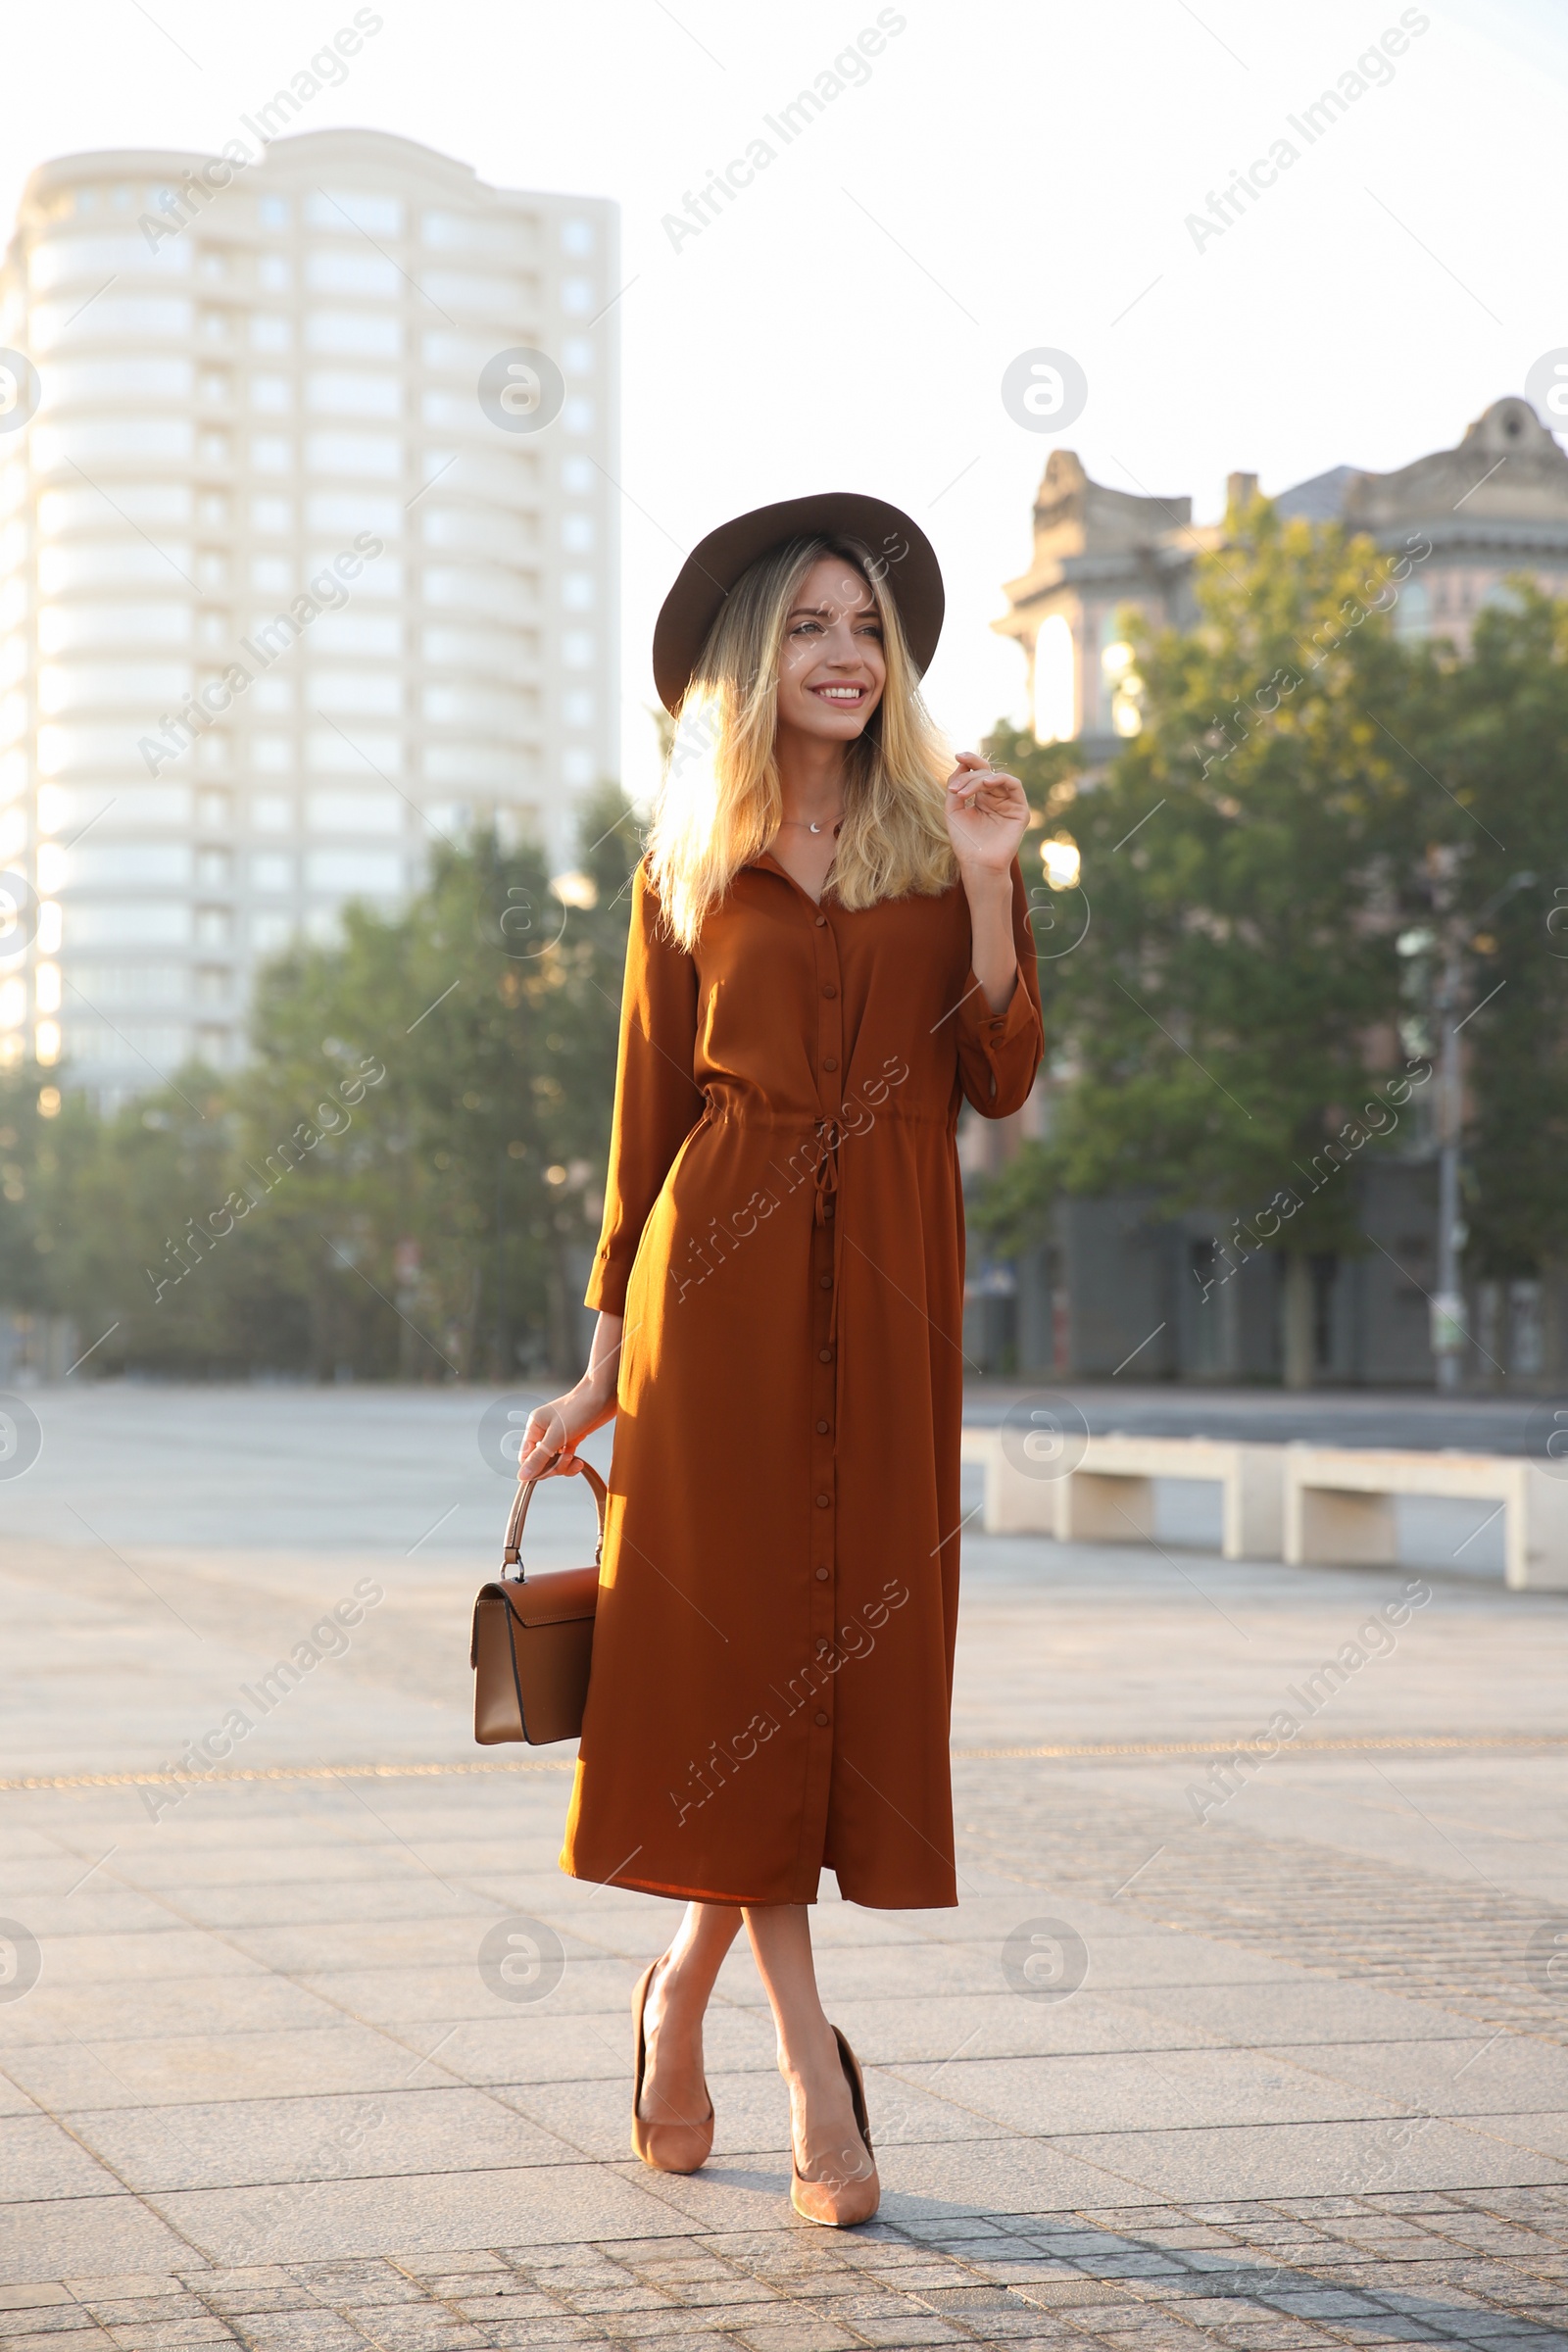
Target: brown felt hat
903,557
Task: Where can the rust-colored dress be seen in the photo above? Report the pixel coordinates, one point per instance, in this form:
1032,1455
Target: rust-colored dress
783,1231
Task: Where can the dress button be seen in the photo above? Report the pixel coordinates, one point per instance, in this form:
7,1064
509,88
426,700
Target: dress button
821,1576
831,1062
821,1429
821,1718
824,1355
829,990
821,923
822,1501
824,1283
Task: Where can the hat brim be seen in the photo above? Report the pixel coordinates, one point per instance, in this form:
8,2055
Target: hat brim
905,562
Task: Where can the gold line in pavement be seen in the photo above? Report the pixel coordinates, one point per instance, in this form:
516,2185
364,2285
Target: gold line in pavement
1412,1744
1288,1747
282,1772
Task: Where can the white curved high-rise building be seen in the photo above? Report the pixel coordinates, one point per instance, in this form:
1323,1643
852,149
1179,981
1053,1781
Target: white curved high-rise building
282,598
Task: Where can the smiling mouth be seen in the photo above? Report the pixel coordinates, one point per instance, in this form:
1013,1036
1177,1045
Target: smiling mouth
844,698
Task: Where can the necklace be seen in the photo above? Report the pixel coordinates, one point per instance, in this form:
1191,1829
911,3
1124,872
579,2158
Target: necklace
810,826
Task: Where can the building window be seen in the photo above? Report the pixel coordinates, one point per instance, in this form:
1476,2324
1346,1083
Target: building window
1056,684
348,208
329,272
1121,689
1412,615
368,693
354,870
353,812
372,454
110,318
367,334
340,394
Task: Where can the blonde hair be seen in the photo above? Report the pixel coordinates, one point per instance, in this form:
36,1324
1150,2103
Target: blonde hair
720,803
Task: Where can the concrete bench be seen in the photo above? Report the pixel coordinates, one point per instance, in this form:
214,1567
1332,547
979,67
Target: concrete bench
1109,1496
1340,1507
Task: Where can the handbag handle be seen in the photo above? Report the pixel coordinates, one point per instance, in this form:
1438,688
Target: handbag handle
511,1554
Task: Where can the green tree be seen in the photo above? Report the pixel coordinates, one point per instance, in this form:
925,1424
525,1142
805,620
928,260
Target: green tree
405,1178
1231,1010
456,1212
149,1255
1492,730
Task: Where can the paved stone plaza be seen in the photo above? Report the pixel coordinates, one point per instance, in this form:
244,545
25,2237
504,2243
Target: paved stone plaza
1293,2075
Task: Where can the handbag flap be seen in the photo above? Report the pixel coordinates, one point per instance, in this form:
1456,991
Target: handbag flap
563,1597
551,1599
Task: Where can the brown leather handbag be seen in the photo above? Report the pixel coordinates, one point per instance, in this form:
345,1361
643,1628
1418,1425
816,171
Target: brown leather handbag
533,1639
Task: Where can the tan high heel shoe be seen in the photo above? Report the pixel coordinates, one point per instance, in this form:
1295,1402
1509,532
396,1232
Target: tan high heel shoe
841,2204
667,2147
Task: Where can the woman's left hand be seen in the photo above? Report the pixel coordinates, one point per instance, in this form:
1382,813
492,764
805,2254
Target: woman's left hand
988,813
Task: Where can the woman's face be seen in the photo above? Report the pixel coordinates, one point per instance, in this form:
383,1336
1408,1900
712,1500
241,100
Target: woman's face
832,668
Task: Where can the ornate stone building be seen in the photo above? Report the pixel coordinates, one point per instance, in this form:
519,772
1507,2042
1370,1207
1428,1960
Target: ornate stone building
1495,504
1116,1281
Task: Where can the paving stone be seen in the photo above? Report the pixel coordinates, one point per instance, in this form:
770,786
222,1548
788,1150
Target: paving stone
803,2333
67,2320
76,2339
1223,2139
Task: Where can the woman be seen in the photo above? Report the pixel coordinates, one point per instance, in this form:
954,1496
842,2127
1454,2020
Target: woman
829,953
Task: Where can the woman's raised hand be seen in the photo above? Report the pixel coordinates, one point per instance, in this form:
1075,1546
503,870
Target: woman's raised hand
550,1440
988,813
554,1431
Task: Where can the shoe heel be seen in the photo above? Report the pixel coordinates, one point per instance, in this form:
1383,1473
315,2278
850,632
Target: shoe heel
841,2204
664,2147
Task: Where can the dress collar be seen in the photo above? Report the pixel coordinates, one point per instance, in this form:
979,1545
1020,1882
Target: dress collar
765,862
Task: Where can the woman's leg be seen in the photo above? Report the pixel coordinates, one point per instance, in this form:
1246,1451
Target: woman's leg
828,2141
673,2090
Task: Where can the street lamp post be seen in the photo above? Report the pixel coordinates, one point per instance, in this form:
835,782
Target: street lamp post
1447,1304
1448,1333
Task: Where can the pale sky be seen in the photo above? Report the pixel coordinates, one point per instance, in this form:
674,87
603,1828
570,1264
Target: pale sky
1009,176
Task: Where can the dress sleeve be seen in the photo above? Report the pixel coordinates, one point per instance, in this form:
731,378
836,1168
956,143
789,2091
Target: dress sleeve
999,1052
657,1101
